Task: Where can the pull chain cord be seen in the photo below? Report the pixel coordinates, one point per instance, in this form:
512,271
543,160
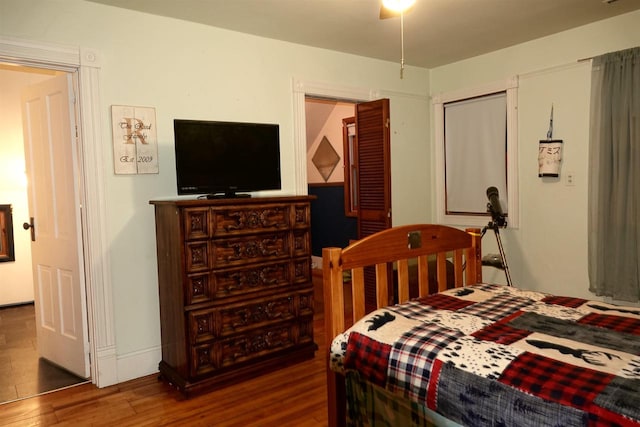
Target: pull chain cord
402,45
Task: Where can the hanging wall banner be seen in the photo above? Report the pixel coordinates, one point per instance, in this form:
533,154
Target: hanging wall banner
549,157
135,144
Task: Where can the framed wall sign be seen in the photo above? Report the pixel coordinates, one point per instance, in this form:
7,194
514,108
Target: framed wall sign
135,143
549,157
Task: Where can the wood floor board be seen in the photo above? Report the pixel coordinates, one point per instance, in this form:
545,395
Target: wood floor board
291,396
22,372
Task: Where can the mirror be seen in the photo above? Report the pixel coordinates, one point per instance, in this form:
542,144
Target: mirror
6,234
350,169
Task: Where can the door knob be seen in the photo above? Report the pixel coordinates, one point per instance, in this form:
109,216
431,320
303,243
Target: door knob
30,225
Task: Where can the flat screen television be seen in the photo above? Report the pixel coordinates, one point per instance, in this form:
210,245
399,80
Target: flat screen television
226,159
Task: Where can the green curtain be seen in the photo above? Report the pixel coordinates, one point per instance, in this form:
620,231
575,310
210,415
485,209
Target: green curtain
614,176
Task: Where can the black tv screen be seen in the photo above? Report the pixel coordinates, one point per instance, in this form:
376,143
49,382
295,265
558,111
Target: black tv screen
223,159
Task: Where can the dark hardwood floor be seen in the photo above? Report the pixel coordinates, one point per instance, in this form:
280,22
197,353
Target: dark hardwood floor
291,396
22,372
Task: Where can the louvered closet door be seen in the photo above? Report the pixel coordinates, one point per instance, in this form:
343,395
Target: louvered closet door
373,160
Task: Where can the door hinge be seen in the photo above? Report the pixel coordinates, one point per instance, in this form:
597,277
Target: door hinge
387,123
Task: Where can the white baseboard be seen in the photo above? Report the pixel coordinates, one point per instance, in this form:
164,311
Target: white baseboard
105,371
138,364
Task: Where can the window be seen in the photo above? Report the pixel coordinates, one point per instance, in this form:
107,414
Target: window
476,135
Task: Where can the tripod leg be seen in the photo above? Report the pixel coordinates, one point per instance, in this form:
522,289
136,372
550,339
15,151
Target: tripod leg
504,259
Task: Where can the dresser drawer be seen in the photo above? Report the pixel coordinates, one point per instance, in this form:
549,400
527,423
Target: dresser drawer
207,286
253,219
301,270
199,288
250,249
301,215
218,322
304,304
255,278
301,243
196,222
225,353
197,256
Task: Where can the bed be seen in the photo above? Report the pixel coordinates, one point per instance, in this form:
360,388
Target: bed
473,353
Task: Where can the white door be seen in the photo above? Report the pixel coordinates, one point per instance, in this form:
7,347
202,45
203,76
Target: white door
50,154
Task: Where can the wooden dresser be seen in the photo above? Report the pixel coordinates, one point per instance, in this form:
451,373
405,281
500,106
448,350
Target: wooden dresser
236,297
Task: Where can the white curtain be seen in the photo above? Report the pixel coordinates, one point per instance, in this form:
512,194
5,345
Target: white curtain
475,133
614,176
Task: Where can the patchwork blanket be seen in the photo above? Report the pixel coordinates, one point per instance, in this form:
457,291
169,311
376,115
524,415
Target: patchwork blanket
492,355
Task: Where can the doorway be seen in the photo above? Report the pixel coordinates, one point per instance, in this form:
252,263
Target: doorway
331,224
362,196
28,374
87,63
365,178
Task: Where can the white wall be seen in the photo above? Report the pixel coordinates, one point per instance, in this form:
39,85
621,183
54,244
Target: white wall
549,250
16,283
187,70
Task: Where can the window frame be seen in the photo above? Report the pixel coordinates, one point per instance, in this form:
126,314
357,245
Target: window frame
509,86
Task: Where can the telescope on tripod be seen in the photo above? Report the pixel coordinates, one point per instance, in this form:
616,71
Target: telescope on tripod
498,220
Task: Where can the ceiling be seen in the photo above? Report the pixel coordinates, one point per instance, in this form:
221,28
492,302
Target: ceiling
437,32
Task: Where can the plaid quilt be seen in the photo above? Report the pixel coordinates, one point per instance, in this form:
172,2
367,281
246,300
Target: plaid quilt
492,355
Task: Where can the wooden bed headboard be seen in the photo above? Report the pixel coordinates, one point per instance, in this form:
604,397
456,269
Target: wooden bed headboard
382,256
393,248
